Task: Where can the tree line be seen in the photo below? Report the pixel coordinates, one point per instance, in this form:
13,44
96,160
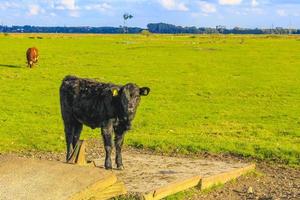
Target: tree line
172,29
161,28
64,29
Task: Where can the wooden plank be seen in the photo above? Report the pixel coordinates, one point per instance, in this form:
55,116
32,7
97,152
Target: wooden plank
89,192
222,178
78,154
115,190
81,154
204,183
74,154
97,162
173,188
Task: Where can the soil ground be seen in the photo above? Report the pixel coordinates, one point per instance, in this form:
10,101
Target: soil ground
271,181
145,173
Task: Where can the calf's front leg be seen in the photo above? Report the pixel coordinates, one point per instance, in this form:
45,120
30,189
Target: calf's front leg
119,138
107,139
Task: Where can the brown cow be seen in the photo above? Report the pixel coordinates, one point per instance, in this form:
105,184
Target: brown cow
32,56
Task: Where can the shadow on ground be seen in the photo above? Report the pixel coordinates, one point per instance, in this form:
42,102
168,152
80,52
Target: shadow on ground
11,66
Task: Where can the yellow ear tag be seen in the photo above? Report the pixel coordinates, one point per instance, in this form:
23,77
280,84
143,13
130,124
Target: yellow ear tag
115,92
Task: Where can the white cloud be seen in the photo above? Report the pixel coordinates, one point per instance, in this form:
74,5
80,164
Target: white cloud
254,3
102,7
67,4
281,12
74,13
296,14
173,5
249,11
257,11
206,7
35,10
230,2
7,5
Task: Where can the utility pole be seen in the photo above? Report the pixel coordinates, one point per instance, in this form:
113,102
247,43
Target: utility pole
272,29
290,26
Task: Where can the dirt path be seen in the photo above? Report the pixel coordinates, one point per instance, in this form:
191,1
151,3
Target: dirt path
144,173
272,181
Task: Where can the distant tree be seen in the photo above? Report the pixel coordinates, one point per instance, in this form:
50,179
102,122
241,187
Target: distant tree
221,29
126,16
145,32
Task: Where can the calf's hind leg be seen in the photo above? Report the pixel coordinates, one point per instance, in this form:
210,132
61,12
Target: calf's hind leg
77,128
72,133
69,140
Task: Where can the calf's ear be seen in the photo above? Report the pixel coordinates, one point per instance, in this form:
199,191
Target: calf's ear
144,91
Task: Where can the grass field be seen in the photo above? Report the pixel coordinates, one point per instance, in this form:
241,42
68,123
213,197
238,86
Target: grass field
230,94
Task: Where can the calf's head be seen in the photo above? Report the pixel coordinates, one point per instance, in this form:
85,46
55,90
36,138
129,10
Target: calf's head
130,96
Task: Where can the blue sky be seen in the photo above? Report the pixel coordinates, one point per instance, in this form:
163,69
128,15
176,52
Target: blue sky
200,13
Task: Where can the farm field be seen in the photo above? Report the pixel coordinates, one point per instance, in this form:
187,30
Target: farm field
220,94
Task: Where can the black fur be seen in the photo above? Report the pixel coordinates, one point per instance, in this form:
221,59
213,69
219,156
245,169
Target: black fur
99,105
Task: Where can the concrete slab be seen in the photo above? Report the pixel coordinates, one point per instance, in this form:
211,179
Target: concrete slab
38,179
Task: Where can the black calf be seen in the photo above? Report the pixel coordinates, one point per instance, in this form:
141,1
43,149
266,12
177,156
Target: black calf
99,105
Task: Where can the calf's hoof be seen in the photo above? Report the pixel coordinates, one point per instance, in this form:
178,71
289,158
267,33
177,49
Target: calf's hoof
67,160
121,167
108,167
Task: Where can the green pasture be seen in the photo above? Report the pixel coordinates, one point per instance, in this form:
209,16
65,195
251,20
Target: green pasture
221,94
